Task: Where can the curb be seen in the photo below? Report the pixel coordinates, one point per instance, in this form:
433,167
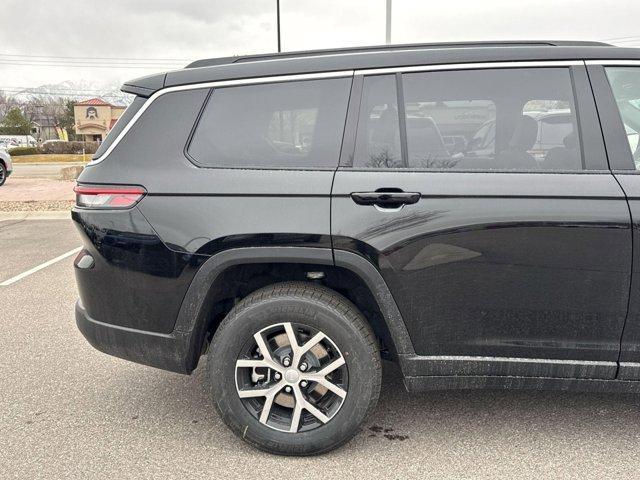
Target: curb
36,215
49,164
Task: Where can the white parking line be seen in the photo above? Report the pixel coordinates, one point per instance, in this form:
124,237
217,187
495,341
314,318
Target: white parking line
6,283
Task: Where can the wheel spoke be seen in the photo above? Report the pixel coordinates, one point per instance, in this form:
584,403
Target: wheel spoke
302,404
332,387
315,412
331,367
266,409
297,410
261,392
253,392
293,342
313,341
266,353
252,363
295,417
293,339
264,350
320,377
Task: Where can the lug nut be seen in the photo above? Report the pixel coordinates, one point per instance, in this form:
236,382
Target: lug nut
277,376
287,389
304,384
303,367
286,361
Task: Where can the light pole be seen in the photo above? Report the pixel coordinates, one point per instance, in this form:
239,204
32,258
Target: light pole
278,22
388,31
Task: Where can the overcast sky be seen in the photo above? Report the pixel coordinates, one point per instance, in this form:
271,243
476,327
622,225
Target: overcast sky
179,31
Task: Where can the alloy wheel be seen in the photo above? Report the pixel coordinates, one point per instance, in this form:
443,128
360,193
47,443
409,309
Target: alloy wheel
291,377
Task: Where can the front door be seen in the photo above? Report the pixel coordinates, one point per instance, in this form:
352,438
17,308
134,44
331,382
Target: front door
489,209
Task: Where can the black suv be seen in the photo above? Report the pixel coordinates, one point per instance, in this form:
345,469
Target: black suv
299,217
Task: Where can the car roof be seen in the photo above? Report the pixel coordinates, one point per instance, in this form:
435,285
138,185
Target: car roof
384,56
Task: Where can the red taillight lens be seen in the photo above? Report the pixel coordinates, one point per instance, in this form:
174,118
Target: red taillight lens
108,196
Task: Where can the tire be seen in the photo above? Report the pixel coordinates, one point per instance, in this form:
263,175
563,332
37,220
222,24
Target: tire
3,174
308,308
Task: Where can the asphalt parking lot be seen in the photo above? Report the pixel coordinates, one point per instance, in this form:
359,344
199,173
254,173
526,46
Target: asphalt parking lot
69,411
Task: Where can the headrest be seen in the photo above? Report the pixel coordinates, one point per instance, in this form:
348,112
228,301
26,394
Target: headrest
386,126
571,140
525,134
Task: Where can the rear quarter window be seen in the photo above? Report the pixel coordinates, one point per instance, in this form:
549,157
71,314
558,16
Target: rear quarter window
122,122
279,125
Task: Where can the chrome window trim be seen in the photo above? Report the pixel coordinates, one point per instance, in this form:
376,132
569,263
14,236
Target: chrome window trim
217,84
471,66
333,74
620,63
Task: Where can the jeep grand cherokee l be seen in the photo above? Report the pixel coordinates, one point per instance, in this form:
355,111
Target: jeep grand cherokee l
299,217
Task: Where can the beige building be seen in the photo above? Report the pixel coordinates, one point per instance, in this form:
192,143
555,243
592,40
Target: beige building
94,118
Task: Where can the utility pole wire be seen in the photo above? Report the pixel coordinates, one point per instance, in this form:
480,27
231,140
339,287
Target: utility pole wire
115,59
87,65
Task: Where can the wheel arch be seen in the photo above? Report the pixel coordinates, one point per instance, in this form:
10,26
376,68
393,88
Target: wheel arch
194,317
5,167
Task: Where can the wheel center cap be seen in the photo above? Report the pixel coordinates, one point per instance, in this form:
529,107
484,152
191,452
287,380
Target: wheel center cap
292,375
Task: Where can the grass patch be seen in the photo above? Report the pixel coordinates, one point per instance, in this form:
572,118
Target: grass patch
51,158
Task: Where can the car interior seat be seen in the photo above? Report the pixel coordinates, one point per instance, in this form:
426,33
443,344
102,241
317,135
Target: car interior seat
425,142
564,158
524,137
384,144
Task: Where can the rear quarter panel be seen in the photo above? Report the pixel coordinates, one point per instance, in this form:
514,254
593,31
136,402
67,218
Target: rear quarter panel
147,256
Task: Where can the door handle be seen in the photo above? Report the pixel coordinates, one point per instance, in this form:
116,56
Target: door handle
392,199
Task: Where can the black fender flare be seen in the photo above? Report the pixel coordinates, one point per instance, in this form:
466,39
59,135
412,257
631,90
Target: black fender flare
189,325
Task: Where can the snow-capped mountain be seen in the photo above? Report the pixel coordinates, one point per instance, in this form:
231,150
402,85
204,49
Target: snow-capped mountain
75,90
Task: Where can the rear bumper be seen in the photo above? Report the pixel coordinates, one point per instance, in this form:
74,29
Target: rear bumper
160,350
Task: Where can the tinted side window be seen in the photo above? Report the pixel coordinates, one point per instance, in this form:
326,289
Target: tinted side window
438,131
278,125
526,118
625,83
493,119
378,135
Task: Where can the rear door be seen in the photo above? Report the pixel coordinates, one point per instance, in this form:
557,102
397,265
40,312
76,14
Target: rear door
506,253
617,92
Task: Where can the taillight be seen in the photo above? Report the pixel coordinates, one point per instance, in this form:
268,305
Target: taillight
108,196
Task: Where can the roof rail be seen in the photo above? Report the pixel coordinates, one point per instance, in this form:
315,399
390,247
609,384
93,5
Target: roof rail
209,62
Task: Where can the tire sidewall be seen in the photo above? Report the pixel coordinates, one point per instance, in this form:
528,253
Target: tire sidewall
239,328
3,178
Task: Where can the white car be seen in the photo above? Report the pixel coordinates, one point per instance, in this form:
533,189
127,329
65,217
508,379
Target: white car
6,167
